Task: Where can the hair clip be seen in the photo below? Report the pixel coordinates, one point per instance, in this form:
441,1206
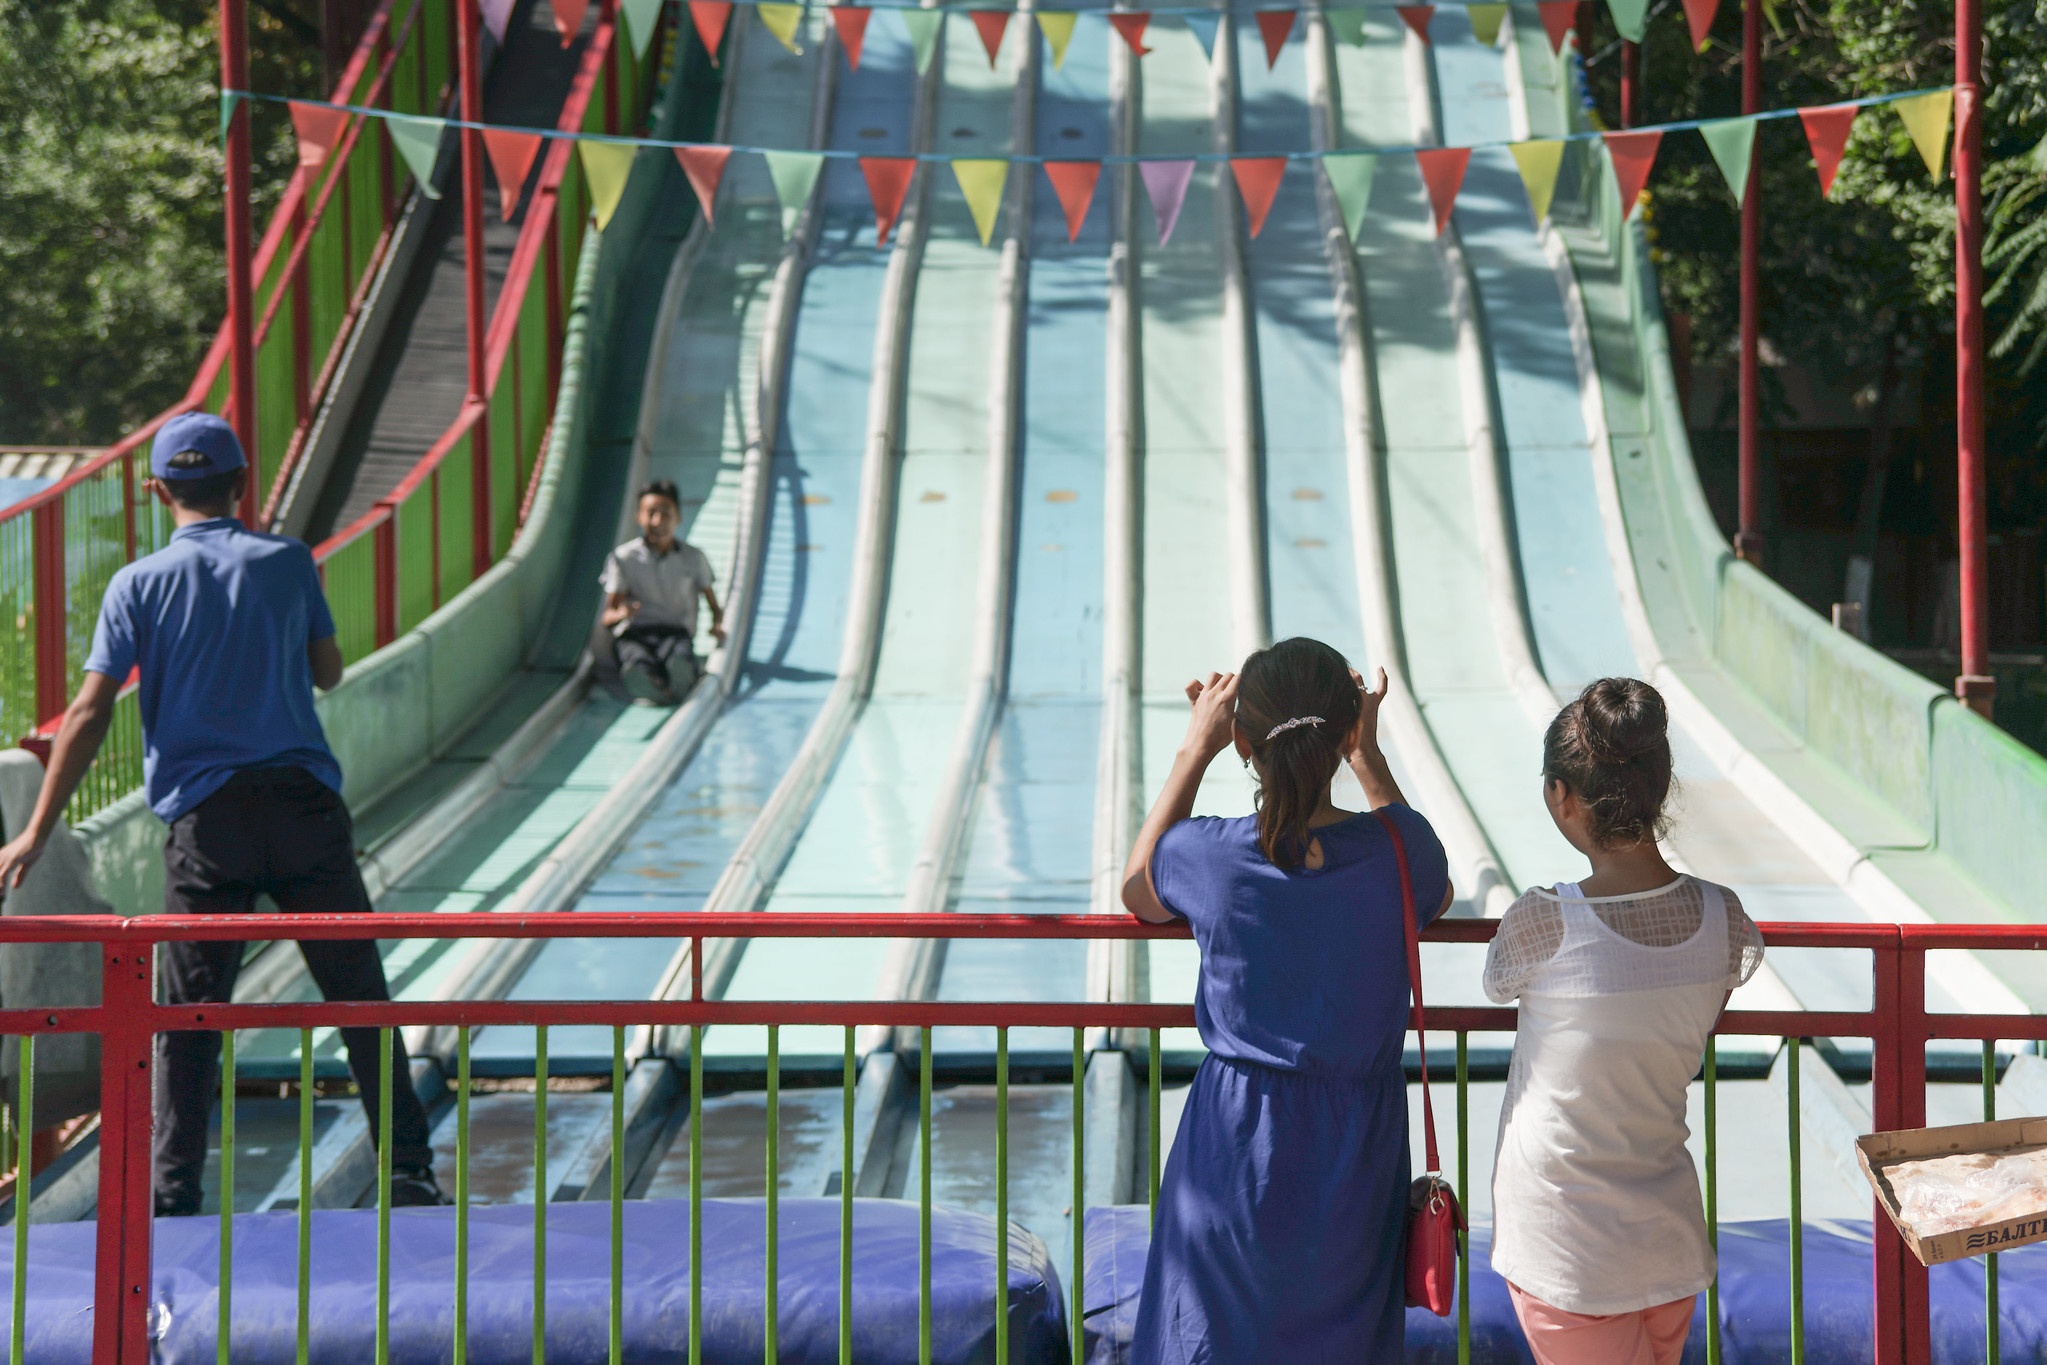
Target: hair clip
1294,723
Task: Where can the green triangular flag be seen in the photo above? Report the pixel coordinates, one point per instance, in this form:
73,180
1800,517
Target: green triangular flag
923,25
1351,178
794,173
1485,22
1926,118
227,110
418,140
1770,13
1058,28
1538,163
981,181
1348,25
641,18
1732,141
1631,17
606,166
782,20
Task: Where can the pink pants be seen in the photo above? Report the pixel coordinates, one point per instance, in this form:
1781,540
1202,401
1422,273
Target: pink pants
1647,1336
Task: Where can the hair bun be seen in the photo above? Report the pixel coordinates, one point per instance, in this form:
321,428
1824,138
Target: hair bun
1625,720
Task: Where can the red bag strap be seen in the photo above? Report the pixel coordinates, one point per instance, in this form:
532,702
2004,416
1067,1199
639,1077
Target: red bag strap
1434,1164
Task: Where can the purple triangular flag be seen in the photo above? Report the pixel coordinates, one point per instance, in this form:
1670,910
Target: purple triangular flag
1166,183
496,15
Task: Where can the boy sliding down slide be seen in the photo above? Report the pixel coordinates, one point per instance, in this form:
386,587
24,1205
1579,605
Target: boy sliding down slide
651,587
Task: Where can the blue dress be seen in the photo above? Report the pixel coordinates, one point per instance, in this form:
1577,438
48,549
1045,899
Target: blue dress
1279,1233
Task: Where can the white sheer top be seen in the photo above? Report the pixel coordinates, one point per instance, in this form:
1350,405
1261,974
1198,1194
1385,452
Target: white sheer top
1596,1205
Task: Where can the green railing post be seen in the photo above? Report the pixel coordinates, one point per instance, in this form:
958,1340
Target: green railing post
1993,1351
1463,1192
24,1150
540,1194
223,1333
617,1195
1158,1085
1079,1182
774,1183
924,1195
696,1194
384,1195
305,1210
461,1355
1797,1203
1002,1195
846,1207
1712,1195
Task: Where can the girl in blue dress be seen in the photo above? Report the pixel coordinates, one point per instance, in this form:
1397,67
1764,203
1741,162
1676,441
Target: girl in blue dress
1280,1227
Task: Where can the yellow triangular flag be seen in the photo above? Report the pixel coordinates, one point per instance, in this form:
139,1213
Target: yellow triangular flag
782,21
606,165
1485,22
1539,163
1058,27
1926,118
981,182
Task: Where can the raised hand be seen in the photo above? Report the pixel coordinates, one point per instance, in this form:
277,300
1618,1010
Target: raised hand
1213,726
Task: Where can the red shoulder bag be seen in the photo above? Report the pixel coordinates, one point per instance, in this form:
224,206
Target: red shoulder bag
1435,1223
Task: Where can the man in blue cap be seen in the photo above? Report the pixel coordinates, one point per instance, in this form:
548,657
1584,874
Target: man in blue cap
230,632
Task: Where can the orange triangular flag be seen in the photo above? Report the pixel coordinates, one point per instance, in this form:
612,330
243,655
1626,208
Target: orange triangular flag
511,156
1274,25
1634,155
1258,181
851,22
568,18
705,167
319,128
709,16
1826,129
1442,171
1131,24
1417,18
1699,14
990,23
888,181
1559,17
1074,183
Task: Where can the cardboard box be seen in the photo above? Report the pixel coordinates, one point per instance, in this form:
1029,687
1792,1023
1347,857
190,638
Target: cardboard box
1878,1151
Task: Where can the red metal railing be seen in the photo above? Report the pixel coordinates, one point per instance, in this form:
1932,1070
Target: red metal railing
1898,1025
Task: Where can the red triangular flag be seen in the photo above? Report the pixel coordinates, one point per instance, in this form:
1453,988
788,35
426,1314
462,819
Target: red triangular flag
705,167
511,156
1826,128
1442,171
1074,183
568,18
1274,25
851,22
1417,18
1558,18
1634,155
991,23
1131,24
709,16
1258,181
319,128
888,181
1699,14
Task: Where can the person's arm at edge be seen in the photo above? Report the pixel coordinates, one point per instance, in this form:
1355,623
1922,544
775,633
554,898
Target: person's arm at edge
78,739
325,658
1209,732
1367,759
717,614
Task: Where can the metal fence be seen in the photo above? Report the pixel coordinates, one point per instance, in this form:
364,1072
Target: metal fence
1898,1025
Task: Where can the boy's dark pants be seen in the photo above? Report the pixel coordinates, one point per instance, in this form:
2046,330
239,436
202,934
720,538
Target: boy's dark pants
277,832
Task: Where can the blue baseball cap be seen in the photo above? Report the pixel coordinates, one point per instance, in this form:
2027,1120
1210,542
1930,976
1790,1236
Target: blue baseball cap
202,433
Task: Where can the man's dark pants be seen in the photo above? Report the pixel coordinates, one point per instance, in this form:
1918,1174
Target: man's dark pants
277,832
663,652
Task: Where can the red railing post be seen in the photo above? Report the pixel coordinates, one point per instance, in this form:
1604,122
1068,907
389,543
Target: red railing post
472,261
52,666
241,303
385,558
301,319
1976,686
1902,1321
122,1279
608,14
128,502
1748,536
1631,83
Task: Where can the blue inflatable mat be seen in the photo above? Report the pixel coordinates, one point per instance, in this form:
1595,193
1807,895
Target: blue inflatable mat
1755,1299
187,1258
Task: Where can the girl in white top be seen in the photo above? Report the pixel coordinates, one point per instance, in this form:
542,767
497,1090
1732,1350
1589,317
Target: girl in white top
1598,1226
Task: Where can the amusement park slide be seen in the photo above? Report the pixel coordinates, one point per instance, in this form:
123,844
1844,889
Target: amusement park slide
982,511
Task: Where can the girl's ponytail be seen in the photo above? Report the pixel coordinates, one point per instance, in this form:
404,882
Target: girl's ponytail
1296,702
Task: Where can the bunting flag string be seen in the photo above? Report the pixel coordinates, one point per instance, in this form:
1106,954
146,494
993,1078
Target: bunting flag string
1630,17
705,168
1539,163
1699,14
991,24
641,19
1485,23
1926,120
1348,25
1057,26
1350,179
1732,141
981,180
851,23
888,183
1442,171
511,156
319,128
923,25
1274,25
1827,130
1417,17
794,175
1559,17
418,140
1634,156
1258,180
497,15
606,166
1132,26
781,20
568,18
1165,184
1074,183
710,18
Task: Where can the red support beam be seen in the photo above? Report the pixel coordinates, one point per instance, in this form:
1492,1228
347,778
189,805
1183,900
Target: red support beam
468,67
1976,687
46,547
1902,1324
384,557
122,1245
241,288
1631,83
1748,537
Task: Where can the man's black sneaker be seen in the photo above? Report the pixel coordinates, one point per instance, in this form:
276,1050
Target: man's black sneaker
414,1187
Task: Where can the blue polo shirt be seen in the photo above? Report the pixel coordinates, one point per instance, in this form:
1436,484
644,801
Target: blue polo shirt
218,621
